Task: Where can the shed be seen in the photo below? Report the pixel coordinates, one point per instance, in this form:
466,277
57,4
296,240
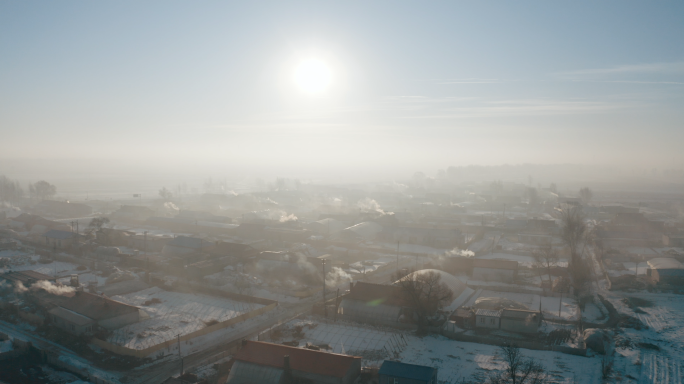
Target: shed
665,270
59,239
395,372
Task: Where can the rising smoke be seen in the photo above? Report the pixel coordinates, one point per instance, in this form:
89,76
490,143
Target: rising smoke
45,285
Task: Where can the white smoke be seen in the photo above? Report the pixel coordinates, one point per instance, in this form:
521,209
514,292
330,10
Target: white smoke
369,205
459,253
46,286
290,217
336,277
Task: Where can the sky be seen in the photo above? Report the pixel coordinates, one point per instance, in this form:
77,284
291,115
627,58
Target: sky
197,86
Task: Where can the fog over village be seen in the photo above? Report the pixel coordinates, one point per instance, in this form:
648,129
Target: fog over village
379,193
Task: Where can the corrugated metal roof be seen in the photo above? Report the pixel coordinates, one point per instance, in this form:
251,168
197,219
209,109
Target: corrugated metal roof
488,313
305,360
407,371
71,316
96,307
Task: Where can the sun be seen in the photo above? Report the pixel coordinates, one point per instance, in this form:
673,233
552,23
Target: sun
312,76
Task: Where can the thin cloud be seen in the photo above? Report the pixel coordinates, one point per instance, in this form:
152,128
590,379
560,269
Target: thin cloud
631,82
470,81
664,68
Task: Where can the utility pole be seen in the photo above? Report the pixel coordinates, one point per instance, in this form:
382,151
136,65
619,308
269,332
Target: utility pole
147,258
325,308
180,357
560,302
397,255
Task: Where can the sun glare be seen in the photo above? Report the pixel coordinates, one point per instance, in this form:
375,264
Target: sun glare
312,76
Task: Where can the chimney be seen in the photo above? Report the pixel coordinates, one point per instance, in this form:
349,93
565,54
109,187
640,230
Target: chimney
287,379
244,342
351,285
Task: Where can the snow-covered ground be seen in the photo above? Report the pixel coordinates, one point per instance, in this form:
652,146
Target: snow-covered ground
455,360
654,354
177,313
22,261
550,305
523,260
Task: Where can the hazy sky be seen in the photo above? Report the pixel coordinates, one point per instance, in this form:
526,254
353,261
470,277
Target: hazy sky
422,85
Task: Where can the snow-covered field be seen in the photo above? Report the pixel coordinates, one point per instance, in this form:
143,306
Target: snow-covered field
456,360
550,305
177,313
656,354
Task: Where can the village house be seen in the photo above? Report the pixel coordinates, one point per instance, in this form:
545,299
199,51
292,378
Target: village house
520,320
60,239
488,318
372,303
260,362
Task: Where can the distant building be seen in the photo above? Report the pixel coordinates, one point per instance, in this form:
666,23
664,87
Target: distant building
495,270
135,213
260,362
59,239
395,372
63,208
665,270
186,245
235,251
674,240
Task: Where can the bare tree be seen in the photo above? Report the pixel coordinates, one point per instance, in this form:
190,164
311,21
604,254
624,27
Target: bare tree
10,190
546,257
573,234
43,190
424,292
95,226
519,369
586,194
165,194
553,188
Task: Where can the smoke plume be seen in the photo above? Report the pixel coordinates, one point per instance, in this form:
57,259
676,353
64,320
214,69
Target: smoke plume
46,286
336,277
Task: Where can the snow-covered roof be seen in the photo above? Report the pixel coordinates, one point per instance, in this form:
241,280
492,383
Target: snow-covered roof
664,263
488,313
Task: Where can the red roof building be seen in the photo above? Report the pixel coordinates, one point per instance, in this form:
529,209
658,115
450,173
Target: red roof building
282,362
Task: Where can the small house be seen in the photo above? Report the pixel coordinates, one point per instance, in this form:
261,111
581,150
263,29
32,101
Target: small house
487,318
59,239
395,372
520,320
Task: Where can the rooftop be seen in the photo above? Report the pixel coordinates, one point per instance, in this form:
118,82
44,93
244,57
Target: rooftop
301,359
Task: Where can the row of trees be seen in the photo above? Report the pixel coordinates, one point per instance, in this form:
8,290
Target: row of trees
11,191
